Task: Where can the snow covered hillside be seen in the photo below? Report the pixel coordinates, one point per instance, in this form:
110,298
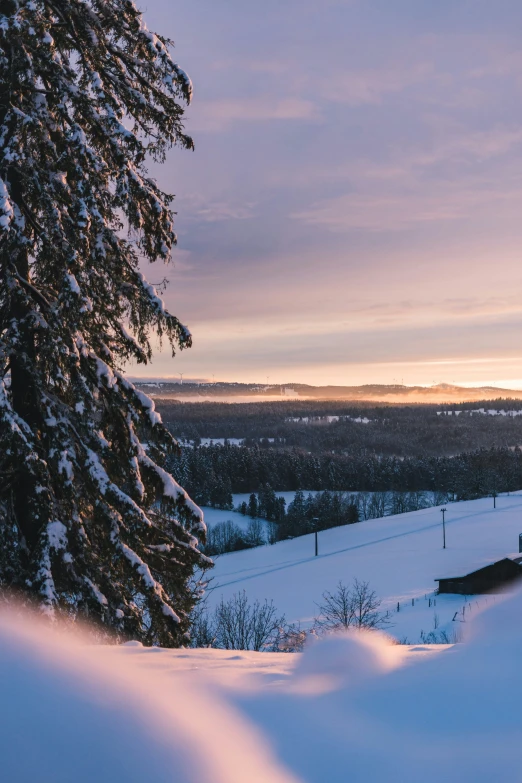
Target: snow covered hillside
400,556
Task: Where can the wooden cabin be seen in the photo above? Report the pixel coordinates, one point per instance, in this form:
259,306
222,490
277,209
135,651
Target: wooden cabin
490,579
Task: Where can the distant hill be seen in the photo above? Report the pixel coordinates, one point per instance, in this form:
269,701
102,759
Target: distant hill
393,393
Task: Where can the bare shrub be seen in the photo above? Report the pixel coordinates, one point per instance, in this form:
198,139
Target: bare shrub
350,607
272,529
223,537
255,533
291,638
202,629
241,625
378,504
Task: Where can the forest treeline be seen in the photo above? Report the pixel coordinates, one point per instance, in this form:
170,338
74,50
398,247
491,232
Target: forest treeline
211,474
349,428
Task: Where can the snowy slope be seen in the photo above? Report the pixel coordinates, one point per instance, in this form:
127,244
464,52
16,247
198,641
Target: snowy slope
401,556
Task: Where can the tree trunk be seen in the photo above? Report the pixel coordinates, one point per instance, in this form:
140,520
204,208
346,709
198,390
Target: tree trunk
24,394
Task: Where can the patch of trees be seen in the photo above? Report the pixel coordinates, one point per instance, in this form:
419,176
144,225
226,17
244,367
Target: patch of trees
392,430
265,504
315,511
229,537
218,471
238,624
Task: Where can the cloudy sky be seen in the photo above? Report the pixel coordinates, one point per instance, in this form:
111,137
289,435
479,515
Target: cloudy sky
353,210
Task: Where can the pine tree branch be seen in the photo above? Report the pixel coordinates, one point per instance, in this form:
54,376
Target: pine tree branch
39,297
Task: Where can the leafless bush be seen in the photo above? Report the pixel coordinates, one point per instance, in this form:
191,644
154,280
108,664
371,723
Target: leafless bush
223,537
291,638
272,532
202,629
241,625
255,533
350,607
237,624
378,504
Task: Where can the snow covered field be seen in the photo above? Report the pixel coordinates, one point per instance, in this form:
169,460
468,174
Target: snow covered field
215,515
400,556
219,442
352,707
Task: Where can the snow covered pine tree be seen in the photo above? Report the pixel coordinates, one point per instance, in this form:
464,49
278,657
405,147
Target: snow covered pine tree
91,523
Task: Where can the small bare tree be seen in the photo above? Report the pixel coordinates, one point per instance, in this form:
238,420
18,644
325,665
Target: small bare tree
203,627
241,625
350,607
336,610
378,505
255,534
363,503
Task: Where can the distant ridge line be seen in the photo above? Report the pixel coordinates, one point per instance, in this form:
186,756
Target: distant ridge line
442,393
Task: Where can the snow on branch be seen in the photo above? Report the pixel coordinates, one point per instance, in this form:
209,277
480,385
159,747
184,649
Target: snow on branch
148,580
171,489
97,593
99,475
6,208
54,538
145,401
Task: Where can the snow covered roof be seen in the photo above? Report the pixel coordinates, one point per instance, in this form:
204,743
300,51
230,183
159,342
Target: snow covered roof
516,557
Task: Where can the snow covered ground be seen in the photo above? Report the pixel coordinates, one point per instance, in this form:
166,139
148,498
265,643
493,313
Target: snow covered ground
482,411
327,419
219,442
400,556
215,515
352,707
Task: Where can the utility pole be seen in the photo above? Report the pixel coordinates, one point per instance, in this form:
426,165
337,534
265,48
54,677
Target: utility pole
316,523
443,512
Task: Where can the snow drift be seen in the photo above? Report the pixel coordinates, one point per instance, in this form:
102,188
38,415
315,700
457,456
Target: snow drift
76,711
454,716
